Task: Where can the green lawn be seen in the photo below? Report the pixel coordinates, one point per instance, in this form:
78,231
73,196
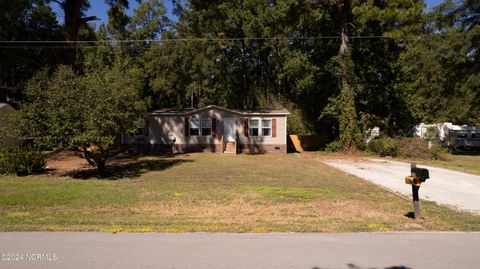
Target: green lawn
463,163
217,193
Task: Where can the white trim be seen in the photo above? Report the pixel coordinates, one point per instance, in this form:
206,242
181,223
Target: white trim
201,126
260,126
200,131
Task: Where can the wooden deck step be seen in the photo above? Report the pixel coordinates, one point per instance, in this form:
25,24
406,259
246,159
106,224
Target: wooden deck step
230,148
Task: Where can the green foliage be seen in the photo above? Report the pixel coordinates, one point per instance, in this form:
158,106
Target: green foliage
83,112
334,146
384,147
296,123
252,54
418,148
438,152
441,71
148,20
30,20
21,161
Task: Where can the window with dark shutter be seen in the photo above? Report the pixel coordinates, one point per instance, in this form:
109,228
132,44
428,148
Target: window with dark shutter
195,127
260,127
214,127
187,126
206,124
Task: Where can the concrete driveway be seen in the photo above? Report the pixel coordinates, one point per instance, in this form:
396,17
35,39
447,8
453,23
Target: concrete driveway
220,250
452,188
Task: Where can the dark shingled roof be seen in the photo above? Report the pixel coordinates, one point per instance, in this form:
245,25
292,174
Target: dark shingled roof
183,111
174,110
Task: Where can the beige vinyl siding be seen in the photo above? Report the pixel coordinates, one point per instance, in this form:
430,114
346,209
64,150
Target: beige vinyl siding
162,126
268,140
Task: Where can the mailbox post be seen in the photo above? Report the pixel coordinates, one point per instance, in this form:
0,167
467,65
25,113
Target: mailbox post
416,178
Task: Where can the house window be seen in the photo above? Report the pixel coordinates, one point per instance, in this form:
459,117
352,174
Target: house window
207,127
253,127
257,127
194,127
201,127
266,127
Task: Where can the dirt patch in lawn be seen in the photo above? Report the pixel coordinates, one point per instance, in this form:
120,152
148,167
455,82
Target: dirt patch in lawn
63,163
72,164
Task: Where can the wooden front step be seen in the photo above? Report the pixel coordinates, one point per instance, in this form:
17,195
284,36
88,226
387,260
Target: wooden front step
230,147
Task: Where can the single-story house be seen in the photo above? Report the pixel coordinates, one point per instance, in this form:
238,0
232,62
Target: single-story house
212,129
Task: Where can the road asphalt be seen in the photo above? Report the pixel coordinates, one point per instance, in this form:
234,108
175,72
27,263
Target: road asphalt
228,250
452,188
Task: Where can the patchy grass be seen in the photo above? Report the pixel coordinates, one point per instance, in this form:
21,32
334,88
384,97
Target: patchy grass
215,193
463,163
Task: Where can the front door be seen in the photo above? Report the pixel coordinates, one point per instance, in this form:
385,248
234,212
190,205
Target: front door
229,129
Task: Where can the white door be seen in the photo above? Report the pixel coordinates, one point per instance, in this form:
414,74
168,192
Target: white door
229,129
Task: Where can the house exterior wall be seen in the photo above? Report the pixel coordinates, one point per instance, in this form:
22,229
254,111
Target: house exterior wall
162,127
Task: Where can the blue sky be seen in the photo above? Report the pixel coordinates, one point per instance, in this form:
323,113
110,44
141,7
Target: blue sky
99,9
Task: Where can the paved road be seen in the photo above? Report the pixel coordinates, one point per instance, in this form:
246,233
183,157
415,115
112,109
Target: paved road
445,186
219,250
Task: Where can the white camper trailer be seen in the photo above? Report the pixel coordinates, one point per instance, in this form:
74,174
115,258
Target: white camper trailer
455,137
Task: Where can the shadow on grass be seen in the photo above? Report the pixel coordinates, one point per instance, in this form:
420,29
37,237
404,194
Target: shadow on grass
410,215
124,167
467,153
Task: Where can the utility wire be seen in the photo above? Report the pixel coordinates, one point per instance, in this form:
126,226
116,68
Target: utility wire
19,44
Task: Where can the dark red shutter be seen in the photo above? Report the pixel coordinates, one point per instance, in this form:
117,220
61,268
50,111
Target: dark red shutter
187,126
245,126
214,127
274,127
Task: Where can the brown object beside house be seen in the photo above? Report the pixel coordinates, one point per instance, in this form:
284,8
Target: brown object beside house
212,129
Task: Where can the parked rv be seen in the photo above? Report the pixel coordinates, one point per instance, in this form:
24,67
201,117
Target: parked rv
454,137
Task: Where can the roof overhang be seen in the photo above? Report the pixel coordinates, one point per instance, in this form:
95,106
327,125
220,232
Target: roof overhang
281,112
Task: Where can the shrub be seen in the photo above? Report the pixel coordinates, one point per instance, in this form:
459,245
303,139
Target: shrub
21,161
334,146
384,147
437,152
414,148
418,148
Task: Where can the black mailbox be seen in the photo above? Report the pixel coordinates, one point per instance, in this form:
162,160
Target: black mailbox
420,173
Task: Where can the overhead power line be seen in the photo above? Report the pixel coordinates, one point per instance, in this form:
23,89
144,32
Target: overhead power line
18,44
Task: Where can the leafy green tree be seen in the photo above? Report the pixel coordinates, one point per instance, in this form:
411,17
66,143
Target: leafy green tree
441,80
391,23
25,20
84,113
349,131
149,20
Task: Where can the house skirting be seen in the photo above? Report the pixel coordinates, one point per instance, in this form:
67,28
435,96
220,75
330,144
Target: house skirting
214,148
262,148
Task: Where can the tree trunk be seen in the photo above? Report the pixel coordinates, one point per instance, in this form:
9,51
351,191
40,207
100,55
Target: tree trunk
72,13
72,10
246,84
349,131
